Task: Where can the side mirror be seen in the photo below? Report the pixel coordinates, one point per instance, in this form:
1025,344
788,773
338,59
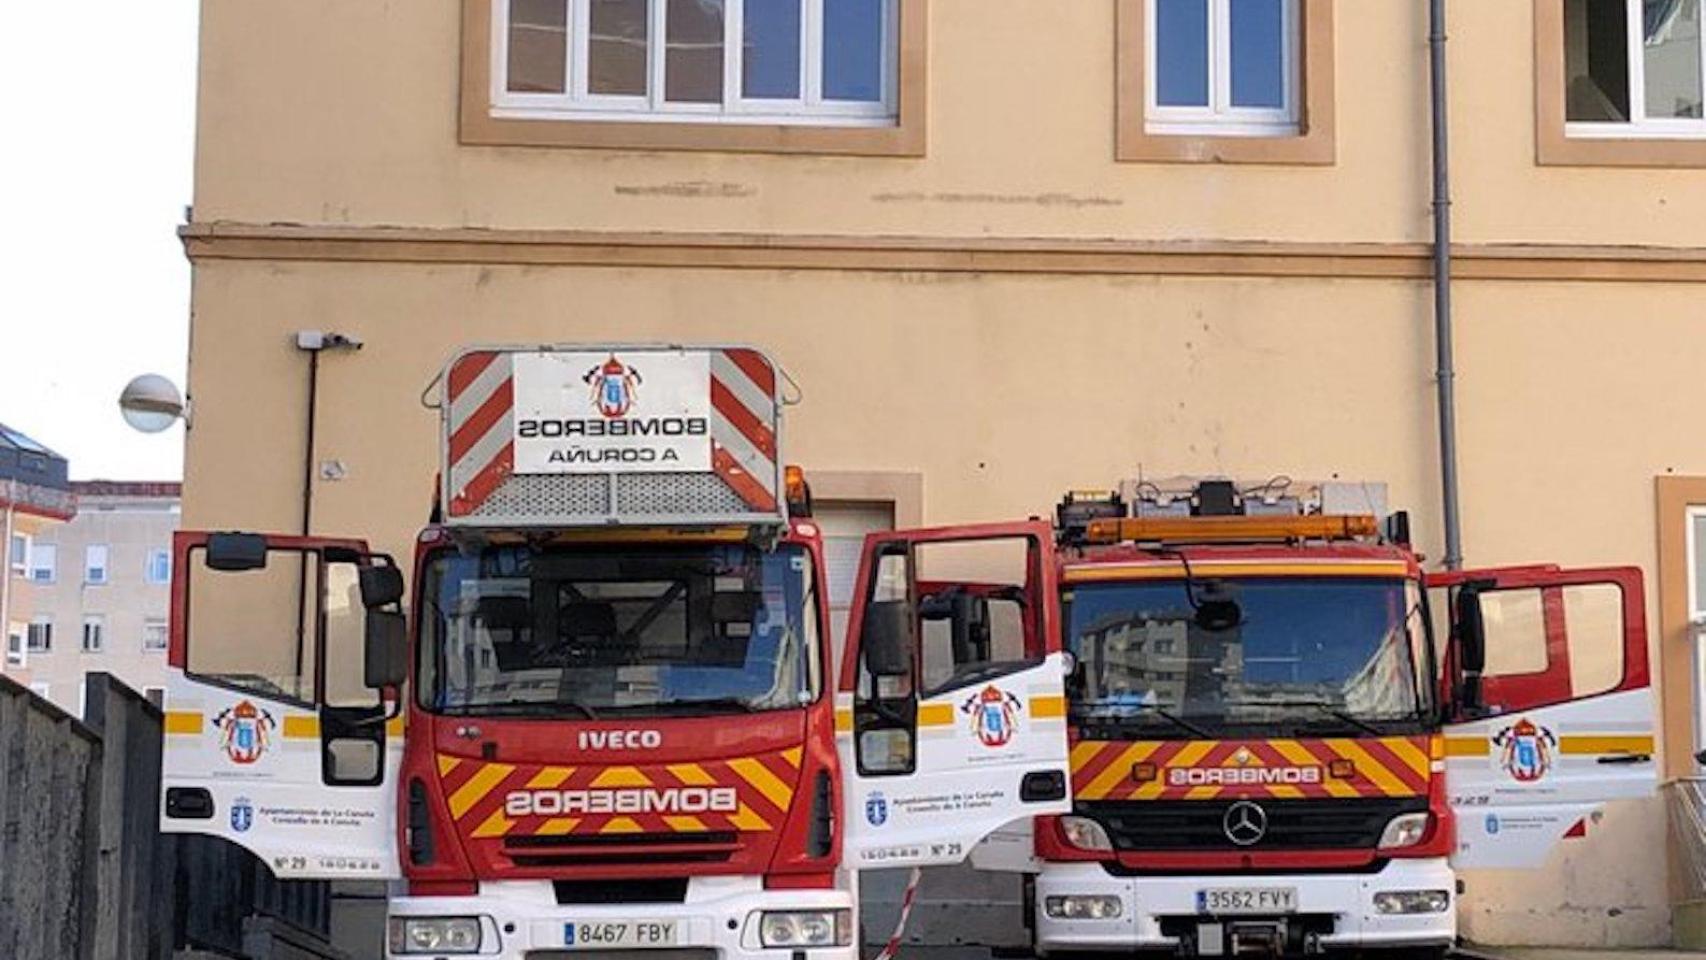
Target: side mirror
885,640
381,586
1471,631
386,660
231,552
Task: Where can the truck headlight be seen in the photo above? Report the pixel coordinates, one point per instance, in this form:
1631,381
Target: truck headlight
1085,834
1412,901
1082,907
805,928
434,934
1404,830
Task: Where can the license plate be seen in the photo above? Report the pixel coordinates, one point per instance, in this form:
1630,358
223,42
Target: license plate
620,933
1250,900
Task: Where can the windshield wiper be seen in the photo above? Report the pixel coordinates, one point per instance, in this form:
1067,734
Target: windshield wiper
1331,711
1157,710
709,705
531,708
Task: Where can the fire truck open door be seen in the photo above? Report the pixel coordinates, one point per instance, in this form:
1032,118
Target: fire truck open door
951,711
281,732
1550,705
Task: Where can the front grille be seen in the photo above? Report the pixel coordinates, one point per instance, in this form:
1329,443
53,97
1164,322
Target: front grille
665,953
610,849
1323,824
659,890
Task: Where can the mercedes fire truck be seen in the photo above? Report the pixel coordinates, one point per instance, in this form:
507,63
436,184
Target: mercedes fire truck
608,719
1274,751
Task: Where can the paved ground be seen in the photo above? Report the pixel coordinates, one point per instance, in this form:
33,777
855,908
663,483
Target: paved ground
1537,953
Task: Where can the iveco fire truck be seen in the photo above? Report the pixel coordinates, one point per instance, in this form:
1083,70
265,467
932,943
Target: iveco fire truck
607,720
1273,751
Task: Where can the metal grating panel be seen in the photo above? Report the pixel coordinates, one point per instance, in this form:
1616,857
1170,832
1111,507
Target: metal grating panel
677,494
560,495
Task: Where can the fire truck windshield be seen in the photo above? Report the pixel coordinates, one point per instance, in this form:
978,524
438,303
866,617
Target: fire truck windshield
1304,652
584,632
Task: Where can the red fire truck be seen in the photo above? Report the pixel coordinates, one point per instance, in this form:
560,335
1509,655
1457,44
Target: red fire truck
606,720
1272,750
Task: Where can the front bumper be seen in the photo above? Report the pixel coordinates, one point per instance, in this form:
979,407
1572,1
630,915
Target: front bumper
522,919
1344,901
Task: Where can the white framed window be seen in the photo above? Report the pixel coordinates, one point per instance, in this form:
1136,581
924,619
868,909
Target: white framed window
94,634
18,556
42,689
154,635
95,563
17,654
1634,69
1222,67
40,636
159,566
802,62
44,562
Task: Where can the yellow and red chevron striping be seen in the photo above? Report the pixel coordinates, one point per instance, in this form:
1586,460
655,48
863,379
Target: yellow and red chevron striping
477,793
1285,769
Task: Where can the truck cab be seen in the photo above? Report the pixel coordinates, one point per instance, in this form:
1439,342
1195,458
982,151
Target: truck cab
1273,750
608,718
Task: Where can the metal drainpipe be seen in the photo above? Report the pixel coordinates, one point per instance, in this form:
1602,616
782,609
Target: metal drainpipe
1445,373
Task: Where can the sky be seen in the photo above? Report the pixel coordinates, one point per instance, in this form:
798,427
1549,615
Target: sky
95,173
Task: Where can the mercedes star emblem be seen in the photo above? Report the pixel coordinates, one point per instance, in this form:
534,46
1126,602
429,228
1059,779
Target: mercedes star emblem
1245,823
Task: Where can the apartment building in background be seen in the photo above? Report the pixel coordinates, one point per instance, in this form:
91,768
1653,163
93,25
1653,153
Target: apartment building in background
35,499
102,590
1005,248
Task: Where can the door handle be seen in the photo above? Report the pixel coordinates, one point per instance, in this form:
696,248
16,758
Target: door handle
1040,786
1625,758
189,803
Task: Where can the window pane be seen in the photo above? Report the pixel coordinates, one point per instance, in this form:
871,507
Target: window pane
1672,55
1258,53
770,50
538,45
853,49
1181,53
616,48
693,64
1596,60
1699,561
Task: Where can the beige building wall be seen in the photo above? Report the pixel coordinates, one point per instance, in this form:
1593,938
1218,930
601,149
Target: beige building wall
1009,315
132,521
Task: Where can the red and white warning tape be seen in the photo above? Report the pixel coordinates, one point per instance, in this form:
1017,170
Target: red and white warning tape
893,946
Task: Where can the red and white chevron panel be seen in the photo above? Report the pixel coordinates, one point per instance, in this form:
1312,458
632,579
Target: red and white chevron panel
480,454
743,425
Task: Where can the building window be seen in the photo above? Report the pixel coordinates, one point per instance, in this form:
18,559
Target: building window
94,634
44,562
41,689
19,554
154,634
770,61
159,566
95,563
1620,83
41,635
1225,80
1222,67
1634,68
16,655
665,73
